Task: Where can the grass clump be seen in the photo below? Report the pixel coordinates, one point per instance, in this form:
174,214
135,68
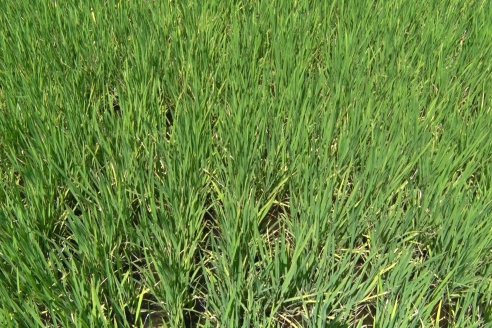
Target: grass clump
247,164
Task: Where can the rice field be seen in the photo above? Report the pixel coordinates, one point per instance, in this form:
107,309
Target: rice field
246,163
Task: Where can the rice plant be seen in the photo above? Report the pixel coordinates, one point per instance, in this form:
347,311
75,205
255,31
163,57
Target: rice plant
245,163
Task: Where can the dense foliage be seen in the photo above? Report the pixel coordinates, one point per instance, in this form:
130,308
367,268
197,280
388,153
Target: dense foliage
245,163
